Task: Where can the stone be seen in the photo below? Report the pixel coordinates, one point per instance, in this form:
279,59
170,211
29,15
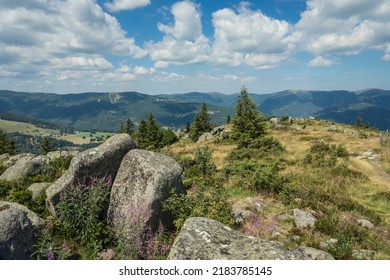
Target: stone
313,253
275,121
351,132
246,208
284,217
144,181
12,160
18,230
205,137
99,162
4,157
331,128
363,254
365,223
303,219
218,130
37,188
239,215
57,154
25,167
207,239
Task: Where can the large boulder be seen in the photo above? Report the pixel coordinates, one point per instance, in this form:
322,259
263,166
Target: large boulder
57,154
206,239
37,188
12,160
99,162
18,228
143,183
25,167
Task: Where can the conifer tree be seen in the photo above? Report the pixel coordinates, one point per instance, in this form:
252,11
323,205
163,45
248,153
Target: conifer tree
201,124
359,121
46,146
129,127
149,135
7,145
248,124
122,128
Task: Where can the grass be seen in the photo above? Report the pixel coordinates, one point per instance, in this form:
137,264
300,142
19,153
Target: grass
26,128
85,137
339,194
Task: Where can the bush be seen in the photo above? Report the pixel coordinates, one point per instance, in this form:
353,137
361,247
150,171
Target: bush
81,210
203,160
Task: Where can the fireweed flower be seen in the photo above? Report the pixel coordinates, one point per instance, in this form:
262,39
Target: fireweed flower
50,255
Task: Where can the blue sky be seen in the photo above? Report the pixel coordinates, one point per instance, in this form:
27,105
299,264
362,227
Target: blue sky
156,46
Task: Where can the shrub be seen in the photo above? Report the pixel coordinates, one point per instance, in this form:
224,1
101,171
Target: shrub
203,160
81,210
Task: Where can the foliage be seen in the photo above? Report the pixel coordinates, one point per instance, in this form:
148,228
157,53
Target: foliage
57,167
139,241
127,127
258,226
204,199
7,145
81,210
248,124
149,135
324,155
201,124
359,122
46,146
203,160
169,137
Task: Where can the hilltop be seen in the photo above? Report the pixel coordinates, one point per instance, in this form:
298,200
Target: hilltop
104,111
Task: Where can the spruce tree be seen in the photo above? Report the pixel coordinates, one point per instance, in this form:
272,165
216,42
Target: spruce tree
149,135
122,128
7,145
201,123
359,121
129,127
248,124
46,146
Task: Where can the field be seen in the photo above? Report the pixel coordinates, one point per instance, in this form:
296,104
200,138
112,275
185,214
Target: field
26,128
86,137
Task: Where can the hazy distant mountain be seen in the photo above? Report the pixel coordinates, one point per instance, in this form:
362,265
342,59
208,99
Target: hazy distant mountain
104,111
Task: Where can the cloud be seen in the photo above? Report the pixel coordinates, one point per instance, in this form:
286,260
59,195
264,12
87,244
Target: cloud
40,35
121,5
183,42
320,61
343,27
246,37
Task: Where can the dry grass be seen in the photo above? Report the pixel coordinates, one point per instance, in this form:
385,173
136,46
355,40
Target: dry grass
26,128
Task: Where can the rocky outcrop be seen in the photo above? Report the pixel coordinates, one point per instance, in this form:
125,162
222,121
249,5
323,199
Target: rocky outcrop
25,167
57,154
12,160
144,181
205,137
99,162
365,223
303,219
37,188
18,228
206,239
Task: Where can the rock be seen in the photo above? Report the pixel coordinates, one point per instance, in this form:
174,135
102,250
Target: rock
329,243
296,127
331,128
18,228
205,137
12,160
368,153
4,157
245,209
275,121
57,154
365,223
351,132
206,239
303,219
143,183
311,118
284,217
314,254
363,254
218,130
37,188
25,167
99,162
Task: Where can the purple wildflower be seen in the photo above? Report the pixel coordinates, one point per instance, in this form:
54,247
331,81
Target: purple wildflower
49,224
50,255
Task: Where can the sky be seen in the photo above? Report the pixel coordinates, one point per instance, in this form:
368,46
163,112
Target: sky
156,46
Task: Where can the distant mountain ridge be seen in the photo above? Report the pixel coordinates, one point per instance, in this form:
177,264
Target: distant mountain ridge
103,111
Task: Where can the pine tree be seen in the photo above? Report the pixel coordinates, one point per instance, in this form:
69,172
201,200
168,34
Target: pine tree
129,127
228,119
46,146
359,122
169,137
122,128
248,124
201,124
7,145
149,135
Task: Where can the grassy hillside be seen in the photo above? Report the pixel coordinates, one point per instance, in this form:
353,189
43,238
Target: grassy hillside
26,128
338,190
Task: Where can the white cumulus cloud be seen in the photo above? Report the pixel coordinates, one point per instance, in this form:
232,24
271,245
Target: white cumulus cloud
121,5
321,61
183,42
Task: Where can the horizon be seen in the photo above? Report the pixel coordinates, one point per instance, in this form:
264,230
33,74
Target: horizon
171,46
